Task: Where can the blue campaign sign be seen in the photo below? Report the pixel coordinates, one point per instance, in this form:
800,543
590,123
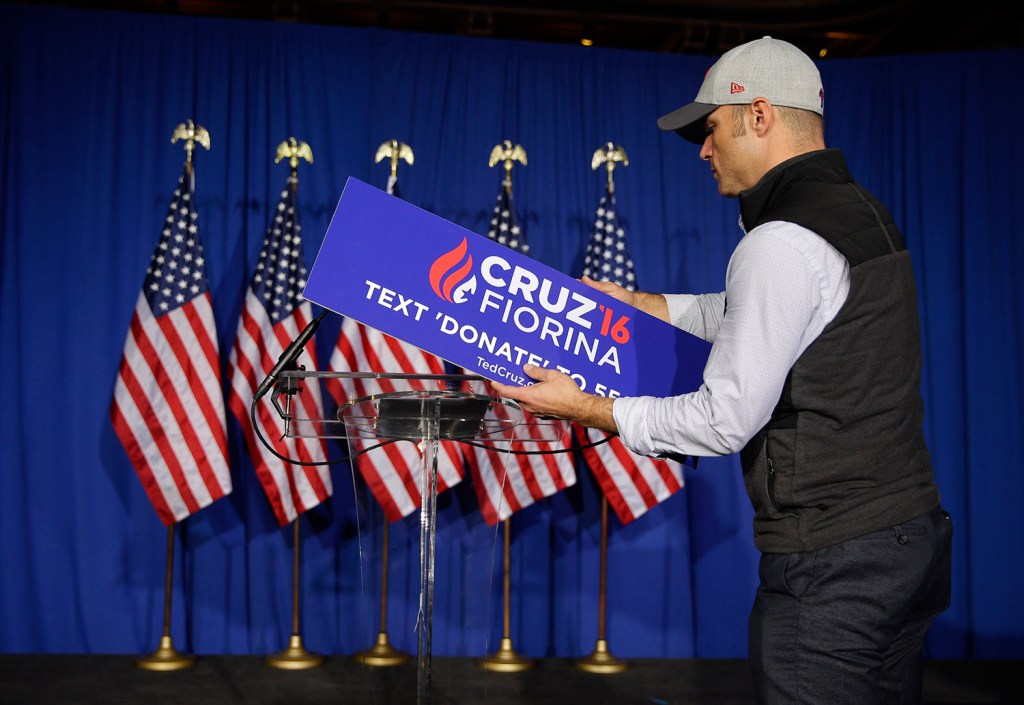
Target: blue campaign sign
477,304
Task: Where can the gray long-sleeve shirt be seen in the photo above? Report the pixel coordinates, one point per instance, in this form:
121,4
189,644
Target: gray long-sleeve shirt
784,284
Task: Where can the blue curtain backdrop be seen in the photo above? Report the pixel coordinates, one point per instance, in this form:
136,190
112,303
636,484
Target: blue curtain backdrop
89,100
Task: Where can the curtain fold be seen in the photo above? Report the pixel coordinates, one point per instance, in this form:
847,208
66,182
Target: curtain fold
90,100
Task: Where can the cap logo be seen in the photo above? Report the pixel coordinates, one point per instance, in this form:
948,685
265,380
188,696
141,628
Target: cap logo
736,88
821,97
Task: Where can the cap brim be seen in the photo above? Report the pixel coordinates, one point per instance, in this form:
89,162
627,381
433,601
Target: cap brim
688,121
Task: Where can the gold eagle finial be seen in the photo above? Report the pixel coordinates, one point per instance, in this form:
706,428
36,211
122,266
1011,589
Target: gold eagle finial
507,153
394,150
192,134
609,155
293,150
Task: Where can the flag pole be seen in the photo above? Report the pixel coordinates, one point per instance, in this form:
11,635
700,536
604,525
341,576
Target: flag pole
295,656
382,653
601,659
166,657
505,659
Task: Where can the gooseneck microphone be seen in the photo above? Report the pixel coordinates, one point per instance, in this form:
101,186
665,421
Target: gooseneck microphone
289,355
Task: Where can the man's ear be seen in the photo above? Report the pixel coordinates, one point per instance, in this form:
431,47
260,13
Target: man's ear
762,116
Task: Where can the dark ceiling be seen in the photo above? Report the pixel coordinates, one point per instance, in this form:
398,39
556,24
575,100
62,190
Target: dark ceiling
841,28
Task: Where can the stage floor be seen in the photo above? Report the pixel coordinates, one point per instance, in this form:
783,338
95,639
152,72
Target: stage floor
248,680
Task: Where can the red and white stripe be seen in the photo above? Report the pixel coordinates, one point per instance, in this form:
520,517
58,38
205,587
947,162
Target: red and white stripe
506,482
632,483
168,408
292,489
393,472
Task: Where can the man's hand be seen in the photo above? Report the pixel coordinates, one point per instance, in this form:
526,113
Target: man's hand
613,290
653,304
556,396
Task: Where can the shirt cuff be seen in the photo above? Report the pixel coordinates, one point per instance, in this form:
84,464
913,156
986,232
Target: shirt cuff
683,311
629,414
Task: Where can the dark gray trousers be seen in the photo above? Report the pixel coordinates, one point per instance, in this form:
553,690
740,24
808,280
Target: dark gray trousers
845,624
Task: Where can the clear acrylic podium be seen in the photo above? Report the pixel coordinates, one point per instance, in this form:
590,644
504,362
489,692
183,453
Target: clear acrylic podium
422,409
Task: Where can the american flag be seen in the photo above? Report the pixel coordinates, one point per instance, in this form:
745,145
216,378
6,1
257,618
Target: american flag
507,482
505,229
168,407
273,314
394,471
631,483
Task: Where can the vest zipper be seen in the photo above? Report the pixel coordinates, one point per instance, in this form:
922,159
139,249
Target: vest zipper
769,481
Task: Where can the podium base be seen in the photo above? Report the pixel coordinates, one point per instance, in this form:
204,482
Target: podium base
295,657
165,658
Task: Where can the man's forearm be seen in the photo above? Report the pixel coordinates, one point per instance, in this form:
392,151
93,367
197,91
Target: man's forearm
596,412
653,304
557,396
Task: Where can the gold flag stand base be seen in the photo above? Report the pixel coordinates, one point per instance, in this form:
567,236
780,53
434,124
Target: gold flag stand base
295,657
382,653
505,659
601,661
165,658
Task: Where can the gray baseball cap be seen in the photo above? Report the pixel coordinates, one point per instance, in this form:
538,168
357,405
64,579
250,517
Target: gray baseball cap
767,68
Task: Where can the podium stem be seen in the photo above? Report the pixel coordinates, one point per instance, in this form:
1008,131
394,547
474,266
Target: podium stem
431,418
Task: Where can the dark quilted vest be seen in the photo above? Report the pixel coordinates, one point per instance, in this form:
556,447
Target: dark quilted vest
844,452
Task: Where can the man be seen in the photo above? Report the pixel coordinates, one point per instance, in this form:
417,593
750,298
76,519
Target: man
814,377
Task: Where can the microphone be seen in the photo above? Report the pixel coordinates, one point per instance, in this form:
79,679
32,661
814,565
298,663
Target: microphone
288,356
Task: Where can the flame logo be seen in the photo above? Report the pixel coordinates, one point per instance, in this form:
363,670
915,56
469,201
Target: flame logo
448,274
